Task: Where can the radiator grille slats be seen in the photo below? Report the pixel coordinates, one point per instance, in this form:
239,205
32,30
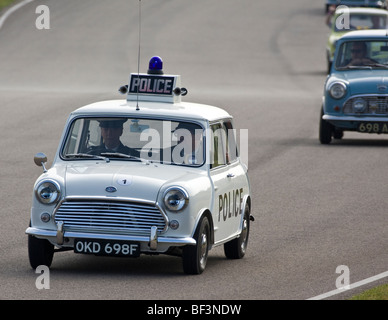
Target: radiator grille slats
375,105
113,217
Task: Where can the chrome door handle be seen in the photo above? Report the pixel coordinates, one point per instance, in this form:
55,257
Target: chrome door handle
230,175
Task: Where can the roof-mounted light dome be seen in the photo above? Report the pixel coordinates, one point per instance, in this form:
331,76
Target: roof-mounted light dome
155,65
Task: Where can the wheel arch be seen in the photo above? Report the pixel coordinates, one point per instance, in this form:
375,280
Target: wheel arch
246,203
206,212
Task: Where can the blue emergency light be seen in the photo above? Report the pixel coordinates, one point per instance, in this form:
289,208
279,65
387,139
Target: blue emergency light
155,65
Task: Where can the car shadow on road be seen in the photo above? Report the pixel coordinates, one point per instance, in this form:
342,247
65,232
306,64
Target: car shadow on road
145,265
359,143
314,141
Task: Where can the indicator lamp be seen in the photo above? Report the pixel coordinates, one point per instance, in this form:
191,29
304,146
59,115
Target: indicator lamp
155,66
45,217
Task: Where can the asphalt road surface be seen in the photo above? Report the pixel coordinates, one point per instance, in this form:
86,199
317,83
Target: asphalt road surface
316,207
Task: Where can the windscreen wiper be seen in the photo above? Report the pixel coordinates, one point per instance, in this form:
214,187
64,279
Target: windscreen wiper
85,155
378,65
355,67
120,155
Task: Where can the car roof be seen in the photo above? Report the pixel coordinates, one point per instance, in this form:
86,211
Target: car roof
366,34
358,10
181,110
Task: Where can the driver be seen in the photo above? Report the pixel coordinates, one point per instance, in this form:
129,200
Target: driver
359,57
111,131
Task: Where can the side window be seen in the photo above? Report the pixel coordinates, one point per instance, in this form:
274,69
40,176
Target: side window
78,137
217,151
83,134
231,144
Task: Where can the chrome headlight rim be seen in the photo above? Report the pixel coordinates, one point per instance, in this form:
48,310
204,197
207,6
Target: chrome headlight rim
337,90
359,105
177,194
53,194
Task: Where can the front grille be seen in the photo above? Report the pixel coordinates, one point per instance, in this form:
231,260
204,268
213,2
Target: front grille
111,217
376,105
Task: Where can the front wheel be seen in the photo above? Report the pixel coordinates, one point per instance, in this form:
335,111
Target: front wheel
195,257
325,131
236,248
40,252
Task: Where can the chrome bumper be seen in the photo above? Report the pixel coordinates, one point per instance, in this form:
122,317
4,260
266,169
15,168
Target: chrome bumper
153,242
353,118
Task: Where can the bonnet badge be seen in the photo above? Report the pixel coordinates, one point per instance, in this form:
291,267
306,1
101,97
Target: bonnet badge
111,189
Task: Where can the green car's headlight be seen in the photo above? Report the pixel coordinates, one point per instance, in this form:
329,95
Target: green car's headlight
337,90
48,192
175,199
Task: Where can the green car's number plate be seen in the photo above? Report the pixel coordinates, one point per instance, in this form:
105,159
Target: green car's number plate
373,127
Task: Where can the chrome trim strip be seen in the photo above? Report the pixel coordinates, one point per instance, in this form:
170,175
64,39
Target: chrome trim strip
107,198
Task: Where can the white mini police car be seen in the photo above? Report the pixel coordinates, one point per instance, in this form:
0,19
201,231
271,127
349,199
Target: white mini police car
149,174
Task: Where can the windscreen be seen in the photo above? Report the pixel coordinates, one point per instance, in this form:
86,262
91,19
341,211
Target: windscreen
170,142
362,54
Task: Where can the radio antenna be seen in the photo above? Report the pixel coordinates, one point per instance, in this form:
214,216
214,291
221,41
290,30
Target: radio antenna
138,59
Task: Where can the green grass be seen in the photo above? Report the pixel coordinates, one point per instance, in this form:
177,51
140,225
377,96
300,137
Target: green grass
4,3
378,293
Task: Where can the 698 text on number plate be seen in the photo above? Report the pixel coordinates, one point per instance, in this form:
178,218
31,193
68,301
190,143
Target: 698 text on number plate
100,247
373,127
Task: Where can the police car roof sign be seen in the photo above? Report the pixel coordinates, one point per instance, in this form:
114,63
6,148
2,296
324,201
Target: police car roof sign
151,87
154,85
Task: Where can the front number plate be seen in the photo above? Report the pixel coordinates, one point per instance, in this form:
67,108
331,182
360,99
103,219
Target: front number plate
373,127
107,247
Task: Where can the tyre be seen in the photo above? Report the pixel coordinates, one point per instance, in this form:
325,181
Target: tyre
325,131
338,134
329,64
236,248
194,258
40,252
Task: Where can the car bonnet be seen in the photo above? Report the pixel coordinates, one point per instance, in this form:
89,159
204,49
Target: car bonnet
365,81
132,181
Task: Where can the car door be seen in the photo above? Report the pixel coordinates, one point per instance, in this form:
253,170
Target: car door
228,179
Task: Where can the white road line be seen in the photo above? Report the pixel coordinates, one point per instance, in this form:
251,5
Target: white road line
352,286
12,10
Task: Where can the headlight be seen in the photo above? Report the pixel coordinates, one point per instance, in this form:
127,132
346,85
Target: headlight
48,192
359,105
337,90
175,199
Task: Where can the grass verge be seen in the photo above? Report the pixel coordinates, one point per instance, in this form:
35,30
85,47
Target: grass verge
378,293
4,3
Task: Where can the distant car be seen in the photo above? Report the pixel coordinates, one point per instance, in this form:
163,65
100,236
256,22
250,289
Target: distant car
359,19
356,91
145,175
357,3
